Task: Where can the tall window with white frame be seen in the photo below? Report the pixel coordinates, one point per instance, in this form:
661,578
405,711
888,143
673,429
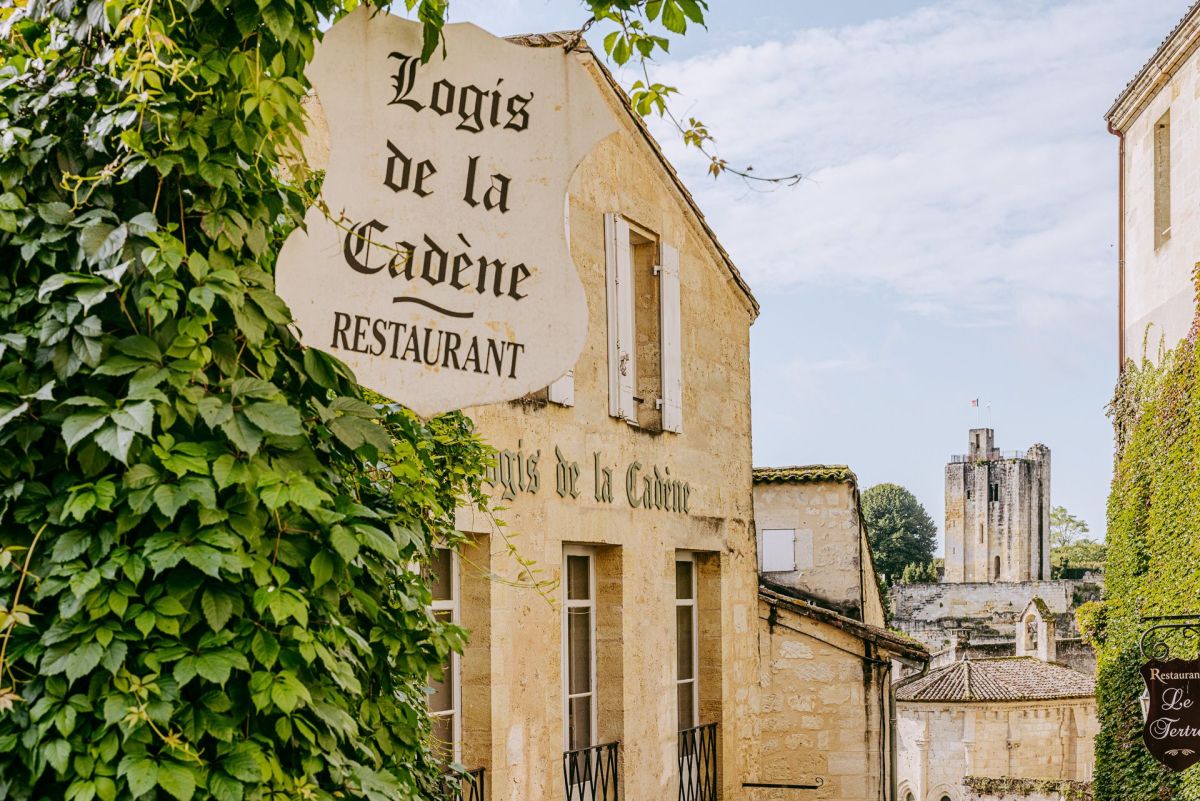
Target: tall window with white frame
687,648
445,694
579,648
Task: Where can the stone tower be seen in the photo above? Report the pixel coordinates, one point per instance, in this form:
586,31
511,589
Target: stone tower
997,513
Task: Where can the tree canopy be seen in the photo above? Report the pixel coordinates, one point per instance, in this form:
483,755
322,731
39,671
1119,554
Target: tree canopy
1065,528
901,532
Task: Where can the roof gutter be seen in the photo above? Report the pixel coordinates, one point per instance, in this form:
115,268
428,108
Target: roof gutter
1120,245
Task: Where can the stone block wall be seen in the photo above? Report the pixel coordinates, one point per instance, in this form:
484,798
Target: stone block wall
821,712
936,613
830,560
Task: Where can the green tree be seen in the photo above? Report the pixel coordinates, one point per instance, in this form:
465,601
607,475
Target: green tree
1065,528
915,573
900,530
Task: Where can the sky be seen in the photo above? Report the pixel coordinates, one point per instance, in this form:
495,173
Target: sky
954,237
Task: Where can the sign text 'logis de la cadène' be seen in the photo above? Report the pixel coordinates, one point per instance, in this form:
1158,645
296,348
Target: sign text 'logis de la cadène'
645,486
441,273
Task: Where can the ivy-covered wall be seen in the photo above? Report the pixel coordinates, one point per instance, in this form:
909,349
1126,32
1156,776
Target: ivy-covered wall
1153,565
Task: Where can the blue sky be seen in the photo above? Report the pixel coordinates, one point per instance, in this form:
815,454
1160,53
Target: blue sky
955,240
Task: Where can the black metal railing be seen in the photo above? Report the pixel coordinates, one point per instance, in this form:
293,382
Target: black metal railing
698,763
592,774
468,786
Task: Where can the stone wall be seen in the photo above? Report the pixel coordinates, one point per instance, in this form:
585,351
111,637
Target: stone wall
939,744
822,702
582,459
829,542
933,613
1159,298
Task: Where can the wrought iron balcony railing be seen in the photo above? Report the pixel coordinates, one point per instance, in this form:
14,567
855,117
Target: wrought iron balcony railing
592,774
698,763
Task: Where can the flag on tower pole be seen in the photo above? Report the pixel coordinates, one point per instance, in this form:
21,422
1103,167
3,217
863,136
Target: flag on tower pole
975,403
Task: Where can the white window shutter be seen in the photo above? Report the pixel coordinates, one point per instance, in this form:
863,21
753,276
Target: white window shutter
672,348
562,391
618,260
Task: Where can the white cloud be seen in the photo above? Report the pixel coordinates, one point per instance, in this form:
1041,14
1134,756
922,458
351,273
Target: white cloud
957,154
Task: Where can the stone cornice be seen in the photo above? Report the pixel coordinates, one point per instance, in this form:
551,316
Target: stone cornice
1179,44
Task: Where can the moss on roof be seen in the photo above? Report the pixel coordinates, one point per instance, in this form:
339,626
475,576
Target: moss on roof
797,474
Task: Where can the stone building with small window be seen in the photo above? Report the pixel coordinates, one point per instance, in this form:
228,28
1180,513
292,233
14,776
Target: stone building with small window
1158,233
825,653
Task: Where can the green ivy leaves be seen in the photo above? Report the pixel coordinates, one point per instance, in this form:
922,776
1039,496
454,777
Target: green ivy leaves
207,535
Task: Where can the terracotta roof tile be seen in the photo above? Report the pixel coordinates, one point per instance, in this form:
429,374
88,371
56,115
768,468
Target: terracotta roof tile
1013,678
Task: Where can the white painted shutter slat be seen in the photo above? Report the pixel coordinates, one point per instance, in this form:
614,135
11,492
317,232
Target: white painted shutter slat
672,348
619,281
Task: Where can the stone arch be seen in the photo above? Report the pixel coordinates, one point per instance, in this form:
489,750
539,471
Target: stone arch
1035,631
906,793
943,792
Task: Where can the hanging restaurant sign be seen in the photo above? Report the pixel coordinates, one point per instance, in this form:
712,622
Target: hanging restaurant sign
439,268
1171,703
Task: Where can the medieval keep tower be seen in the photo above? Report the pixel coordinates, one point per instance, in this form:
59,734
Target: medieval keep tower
997,513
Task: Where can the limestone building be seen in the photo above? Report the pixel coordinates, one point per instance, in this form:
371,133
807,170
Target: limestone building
1158,237
997,513
825,663
1024,719
611,600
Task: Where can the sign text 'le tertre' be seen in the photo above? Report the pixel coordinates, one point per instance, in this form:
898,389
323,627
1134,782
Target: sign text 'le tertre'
441,273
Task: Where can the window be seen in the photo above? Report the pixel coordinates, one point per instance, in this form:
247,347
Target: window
687,646
996,568
778,550
993,492
1162,180
644,359
579,648
445,694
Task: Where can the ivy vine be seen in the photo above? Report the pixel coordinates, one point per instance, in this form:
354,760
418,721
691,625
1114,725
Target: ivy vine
210,541
1152,566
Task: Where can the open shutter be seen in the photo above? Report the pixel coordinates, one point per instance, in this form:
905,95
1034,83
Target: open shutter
619,279
562,391
672,356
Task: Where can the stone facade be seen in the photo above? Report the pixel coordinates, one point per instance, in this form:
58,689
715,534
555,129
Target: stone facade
1155,119
941,743
960,621
832,558
572,478
997,524
825,656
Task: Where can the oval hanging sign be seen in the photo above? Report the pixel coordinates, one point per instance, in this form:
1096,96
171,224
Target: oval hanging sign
1172,728
439,268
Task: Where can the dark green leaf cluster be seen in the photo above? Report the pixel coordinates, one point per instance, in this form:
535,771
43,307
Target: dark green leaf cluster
210,542
1151,567
901,532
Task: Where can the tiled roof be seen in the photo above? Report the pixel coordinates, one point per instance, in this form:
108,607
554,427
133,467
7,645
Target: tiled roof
1013,678
802,473
1144,72
577,42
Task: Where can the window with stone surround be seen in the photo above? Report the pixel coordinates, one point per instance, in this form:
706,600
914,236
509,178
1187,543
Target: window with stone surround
644,333
579,647
445,693
687,643
1162,180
